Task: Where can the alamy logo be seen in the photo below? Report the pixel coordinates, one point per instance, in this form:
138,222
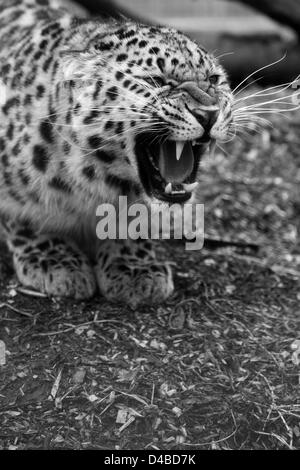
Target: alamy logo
159,221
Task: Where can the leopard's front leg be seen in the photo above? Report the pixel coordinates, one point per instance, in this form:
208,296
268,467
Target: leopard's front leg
128,271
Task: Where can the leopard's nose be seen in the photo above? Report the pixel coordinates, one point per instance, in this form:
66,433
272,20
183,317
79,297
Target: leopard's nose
207,119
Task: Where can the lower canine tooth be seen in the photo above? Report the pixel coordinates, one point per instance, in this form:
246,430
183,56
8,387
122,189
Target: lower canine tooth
190,187
168,188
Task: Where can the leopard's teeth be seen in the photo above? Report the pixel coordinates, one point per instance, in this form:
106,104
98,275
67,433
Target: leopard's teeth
179,148
168,188
194,142
190,187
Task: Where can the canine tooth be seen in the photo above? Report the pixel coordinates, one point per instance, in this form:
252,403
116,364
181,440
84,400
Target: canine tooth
168,188
194,143
179,149
190,187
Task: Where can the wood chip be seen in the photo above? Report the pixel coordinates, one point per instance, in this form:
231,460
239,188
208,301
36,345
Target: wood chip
2,353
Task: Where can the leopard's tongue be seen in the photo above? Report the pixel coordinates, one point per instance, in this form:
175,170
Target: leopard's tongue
176,161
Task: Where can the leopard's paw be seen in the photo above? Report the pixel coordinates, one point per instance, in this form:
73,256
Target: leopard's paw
55,267
132,275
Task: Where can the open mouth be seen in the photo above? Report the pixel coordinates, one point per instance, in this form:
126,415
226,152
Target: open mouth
168,168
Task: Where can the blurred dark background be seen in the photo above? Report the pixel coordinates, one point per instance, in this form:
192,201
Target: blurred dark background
247,34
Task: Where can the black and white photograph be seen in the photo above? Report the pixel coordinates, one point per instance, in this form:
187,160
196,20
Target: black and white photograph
149,227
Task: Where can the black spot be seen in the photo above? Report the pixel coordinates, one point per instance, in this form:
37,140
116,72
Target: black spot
46,131
77,108
47,63
143,43
89,172
175,61
40,158
10,103
10,131
108,125
52,27
28,50
52,114
43,3
4,159
2,145
40,91
126,83
112,93
123,34
16,150
132,42
66,147
154,50
43,44
134,86
7,178
90,119
26,139
68,117
122,57
24,177
119,75
105,46
31,76
94,141
27,99
161,64
5,69
119,128
149,61
104,156
59,184
97,89
28,118
38,55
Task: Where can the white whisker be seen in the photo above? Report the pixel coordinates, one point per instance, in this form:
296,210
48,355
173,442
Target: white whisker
256,71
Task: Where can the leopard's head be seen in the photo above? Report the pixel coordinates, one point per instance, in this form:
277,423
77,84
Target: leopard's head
149,103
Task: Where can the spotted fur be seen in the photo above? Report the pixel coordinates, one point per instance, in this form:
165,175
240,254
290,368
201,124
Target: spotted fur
74,94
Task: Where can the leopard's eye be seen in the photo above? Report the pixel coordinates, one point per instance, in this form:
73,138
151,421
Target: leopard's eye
214,79
157,82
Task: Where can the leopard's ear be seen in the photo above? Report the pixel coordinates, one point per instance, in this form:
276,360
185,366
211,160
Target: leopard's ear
77,65
96,34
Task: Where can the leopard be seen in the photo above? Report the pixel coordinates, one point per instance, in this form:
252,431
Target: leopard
91,109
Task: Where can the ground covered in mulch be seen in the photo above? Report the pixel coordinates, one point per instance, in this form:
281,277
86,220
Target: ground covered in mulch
215,367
